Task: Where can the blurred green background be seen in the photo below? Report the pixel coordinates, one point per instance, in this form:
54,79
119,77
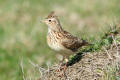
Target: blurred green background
23,37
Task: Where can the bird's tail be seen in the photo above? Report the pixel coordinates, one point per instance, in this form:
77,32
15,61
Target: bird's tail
85,43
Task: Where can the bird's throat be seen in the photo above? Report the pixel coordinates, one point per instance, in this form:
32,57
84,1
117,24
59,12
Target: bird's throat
57,28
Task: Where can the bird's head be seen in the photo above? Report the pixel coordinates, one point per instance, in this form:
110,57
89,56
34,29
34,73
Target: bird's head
52,21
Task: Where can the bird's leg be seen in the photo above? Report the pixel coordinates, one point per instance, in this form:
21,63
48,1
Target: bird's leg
60,65
65,66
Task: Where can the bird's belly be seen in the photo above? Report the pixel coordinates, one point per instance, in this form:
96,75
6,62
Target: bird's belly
59,48
54,45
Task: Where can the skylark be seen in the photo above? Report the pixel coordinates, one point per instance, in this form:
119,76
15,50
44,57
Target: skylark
60,40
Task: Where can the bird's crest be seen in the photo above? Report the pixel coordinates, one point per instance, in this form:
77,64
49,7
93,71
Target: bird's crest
52,14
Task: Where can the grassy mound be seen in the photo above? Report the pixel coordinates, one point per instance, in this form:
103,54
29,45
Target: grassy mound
99,61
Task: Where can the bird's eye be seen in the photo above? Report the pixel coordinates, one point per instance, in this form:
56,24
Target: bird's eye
49,20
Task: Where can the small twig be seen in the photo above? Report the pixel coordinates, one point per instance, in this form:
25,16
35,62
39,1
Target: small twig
21,65
107,53
41,70
48,70
116,46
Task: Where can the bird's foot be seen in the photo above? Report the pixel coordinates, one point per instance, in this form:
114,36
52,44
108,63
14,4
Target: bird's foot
62,68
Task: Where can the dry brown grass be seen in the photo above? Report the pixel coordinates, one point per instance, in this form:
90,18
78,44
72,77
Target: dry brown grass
92,66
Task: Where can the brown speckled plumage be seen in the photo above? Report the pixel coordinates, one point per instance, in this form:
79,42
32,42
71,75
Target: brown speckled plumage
59,39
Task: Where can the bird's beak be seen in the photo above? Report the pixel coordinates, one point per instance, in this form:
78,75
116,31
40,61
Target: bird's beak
43,21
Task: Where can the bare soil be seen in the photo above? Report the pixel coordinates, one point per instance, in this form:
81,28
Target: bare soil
88,66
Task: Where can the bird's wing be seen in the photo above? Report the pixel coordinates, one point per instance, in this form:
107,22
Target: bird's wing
71,42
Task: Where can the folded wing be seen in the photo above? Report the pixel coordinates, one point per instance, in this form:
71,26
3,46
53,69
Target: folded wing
71,42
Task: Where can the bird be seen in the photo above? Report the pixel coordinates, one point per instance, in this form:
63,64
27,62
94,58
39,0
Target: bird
59,39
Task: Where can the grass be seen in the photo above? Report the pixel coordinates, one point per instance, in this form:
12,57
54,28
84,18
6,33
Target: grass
22,36
105,41
112,73
101,63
